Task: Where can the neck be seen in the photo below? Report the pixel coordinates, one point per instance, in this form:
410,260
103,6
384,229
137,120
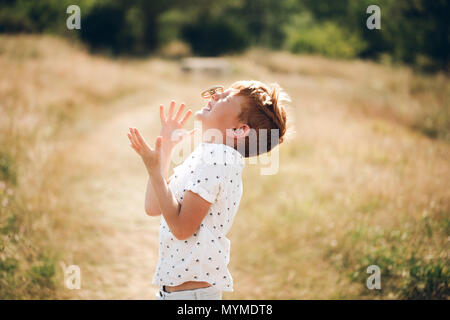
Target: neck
229,142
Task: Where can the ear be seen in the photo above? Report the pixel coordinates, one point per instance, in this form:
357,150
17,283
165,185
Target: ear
238,133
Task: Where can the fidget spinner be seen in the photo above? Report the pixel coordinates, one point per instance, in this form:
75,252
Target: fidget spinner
209,92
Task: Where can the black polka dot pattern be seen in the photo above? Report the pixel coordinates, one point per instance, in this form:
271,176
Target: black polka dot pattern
203,256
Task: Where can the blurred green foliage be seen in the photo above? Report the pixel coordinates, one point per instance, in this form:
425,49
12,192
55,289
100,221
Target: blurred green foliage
26,271
35,16
415,32
407,271
304,34
211,37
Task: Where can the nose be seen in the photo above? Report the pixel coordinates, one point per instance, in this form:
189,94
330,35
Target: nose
215,96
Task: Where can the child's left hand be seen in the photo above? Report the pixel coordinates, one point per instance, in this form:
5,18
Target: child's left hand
150,156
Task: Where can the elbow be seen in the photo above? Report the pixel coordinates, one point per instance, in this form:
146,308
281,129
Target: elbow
180,234
150,212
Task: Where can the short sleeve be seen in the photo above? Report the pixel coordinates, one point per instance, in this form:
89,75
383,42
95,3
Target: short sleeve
205,180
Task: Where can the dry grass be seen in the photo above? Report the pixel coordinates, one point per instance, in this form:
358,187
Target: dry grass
358,183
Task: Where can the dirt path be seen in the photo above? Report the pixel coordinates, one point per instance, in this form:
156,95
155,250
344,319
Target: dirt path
117,252
344,170
114,242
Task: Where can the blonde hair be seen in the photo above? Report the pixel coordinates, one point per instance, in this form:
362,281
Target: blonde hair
263,109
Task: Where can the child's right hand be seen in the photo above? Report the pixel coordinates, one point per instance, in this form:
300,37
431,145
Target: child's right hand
170,125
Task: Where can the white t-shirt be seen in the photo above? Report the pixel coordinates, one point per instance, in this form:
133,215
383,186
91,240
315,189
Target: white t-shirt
213,171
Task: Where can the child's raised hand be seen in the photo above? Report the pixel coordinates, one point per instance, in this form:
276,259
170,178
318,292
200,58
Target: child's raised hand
171,124
150,156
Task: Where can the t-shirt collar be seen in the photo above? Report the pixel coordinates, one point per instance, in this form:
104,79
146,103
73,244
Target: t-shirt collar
231,153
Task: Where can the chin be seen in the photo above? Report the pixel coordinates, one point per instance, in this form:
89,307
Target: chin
198,115
201,115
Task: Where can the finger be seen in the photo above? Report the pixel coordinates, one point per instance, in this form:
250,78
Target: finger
172,106
161,114
140,139
131,136
189,133
186,117
132,141
158,144
135,139
180,111
135,149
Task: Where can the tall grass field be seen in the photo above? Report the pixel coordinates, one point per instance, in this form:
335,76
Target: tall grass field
364,178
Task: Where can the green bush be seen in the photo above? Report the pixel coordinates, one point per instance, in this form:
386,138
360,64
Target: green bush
7,266
427,281
305,35
410,268
13,21
102,29
26,271
43,272
33,16
170,24
422,280
208,37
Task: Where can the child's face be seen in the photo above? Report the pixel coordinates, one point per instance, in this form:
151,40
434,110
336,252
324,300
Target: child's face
221,112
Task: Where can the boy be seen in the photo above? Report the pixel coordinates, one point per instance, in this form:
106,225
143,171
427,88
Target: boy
198,202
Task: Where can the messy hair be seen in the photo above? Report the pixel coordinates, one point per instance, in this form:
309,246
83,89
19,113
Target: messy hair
263,108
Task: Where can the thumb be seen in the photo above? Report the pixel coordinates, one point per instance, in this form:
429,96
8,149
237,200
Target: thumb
191,132
158,144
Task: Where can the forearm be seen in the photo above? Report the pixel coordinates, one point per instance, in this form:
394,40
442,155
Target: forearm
168,204
166,154
151,202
